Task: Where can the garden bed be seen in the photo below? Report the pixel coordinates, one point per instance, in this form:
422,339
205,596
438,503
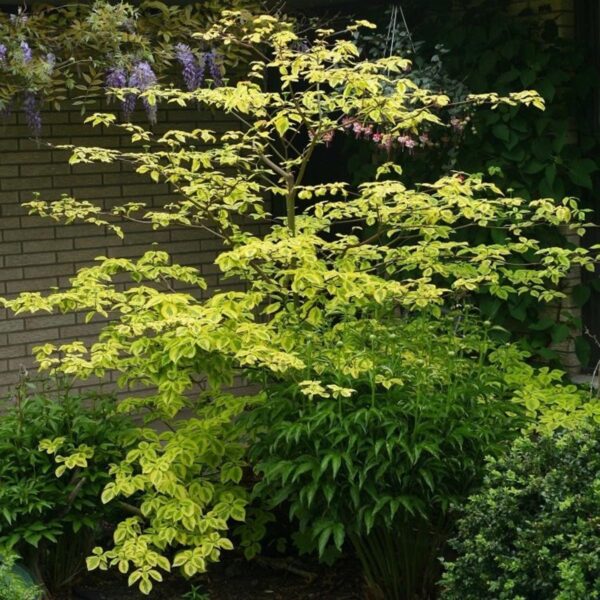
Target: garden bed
237,579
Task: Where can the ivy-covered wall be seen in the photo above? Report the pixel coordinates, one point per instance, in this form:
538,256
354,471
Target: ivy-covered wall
564,14
563,11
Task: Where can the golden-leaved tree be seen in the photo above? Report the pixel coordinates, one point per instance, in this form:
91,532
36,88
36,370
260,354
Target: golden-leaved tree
339,255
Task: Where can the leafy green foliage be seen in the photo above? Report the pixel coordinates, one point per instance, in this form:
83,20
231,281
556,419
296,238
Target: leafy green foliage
341,260
13,584
532,531
55,451
196,593
392,449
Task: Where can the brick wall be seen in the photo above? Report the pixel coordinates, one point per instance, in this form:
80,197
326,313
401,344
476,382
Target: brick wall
37,254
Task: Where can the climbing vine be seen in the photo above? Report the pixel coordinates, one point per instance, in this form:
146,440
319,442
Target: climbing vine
75,53
531,153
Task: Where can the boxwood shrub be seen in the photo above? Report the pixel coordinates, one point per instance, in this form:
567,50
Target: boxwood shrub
533,531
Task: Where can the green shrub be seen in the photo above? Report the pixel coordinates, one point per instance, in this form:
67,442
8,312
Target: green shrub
55,452
380,458
533,531
15,583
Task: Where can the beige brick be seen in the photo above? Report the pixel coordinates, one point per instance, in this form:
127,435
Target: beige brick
48,270
47,245
7,144
37,233
79,255
20,131
46,321
144,189
10,248
9,378
77,331
28,143
11,325
7,198
54,117
24,361
37,258
75,231
77,180
41,170
11,351
26,183
123,178
98,168
90,193
71,131
131,251
38,335
10,274
30,285
99,241
9,171
9,223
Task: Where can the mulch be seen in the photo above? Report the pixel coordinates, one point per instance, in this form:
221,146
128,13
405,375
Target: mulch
237,579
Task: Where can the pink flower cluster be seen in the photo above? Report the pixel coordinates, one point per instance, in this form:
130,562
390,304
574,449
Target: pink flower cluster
458,124
386,141
327,136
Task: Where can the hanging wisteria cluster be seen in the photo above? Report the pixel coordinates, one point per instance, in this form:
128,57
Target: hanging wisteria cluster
103,46
142,77
21,56
196,71
193,69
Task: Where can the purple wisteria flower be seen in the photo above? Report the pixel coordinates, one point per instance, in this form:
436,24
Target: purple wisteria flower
128,105
142,77
189,66
33,116
213,68
201,69
26,52
3,53
115,78
50,61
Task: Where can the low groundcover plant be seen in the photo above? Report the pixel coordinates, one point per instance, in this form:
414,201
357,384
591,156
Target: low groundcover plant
56,448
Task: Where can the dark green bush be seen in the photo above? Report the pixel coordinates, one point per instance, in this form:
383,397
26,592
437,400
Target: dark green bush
533,531
377,456
55,451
